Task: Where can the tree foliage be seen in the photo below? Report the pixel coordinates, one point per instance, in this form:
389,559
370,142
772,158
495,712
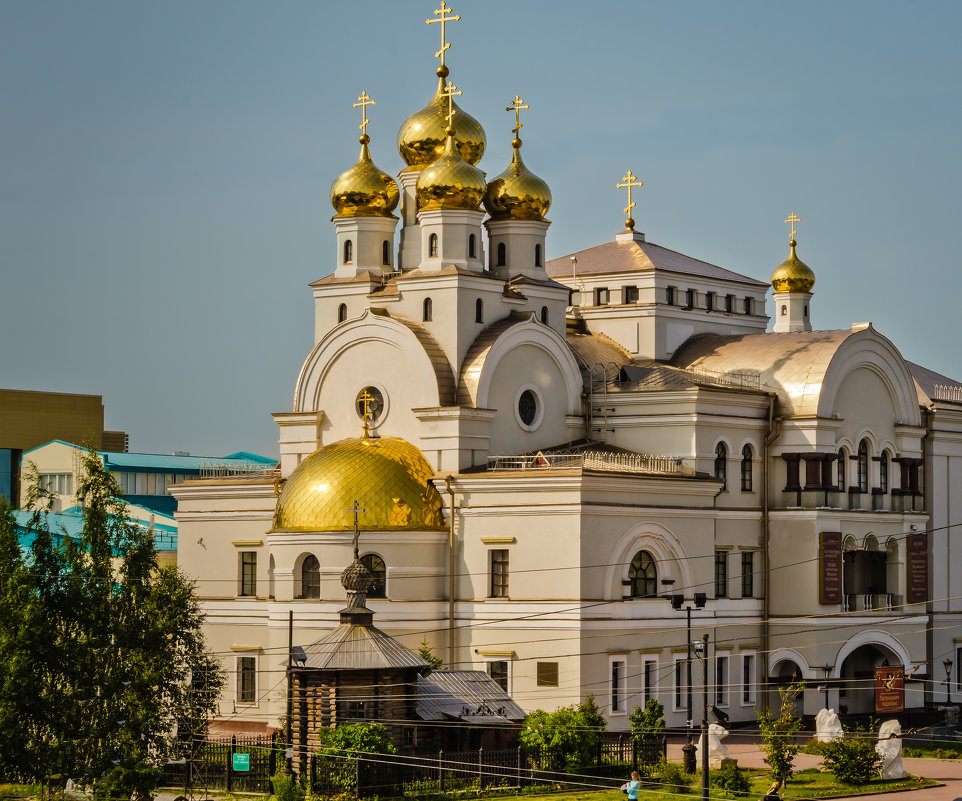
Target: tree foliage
778,733
340,746
103,670
853,758
566,738
426,652
648,722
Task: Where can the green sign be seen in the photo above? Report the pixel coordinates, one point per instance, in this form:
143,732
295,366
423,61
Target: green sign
242,762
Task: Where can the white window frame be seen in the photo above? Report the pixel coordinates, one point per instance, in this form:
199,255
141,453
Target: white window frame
652,691
237,688
622,698
726,680
509,662
749,685
679,659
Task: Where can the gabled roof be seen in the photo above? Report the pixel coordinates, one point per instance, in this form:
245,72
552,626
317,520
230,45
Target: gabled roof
162,461
357,647
471,696
927,380
639,257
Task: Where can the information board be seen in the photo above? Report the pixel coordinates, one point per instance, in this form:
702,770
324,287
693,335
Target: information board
241,762
889,689
916,548
830,567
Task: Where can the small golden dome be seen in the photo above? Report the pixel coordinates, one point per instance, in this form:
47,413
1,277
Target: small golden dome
387,476
517,194
421,138
449,182
793,275
364,190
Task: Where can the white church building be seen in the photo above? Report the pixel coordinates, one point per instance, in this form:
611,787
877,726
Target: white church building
544,452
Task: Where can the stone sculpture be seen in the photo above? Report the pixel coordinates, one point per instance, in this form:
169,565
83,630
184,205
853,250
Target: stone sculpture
889,747
717,752
827,726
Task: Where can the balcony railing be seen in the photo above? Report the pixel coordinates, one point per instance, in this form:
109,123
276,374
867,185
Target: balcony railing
594,460
870,602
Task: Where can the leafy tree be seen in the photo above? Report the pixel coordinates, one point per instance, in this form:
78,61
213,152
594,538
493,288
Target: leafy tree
426,652
341,745
778,733
648,727
566,738
104,670
853,758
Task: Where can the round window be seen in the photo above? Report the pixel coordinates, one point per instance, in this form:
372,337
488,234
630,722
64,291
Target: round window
527,407
369,404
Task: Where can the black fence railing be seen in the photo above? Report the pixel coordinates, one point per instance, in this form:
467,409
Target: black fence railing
214,764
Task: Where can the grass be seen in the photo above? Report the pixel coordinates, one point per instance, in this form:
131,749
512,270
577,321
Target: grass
19,790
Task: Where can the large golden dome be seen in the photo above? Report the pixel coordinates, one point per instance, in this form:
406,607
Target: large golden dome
449,182
793,275
364,190
422,135
387,476
517,194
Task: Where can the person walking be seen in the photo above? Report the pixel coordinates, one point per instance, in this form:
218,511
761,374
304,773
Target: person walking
631,787
772,794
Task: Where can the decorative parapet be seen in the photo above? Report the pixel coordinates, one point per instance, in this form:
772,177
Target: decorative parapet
593,460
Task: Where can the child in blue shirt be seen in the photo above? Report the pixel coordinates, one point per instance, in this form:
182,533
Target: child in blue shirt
632,786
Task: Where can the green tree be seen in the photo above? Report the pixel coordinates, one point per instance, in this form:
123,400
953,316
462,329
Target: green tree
341,746
778,733
426,652
566,738
648,727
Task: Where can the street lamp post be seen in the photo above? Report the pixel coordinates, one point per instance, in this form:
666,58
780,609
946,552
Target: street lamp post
702,648
947,664
700,599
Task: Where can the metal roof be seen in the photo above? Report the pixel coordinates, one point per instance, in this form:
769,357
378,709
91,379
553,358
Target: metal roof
356,647
70,523
471,696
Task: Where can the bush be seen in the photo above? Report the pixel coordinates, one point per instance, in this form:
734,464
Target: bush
286,788
732,779
341,746
123,782
672,777
853,759
567,738
778,733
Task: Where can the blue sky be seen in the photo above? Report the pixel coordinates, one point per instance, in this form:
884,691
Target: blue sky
166,168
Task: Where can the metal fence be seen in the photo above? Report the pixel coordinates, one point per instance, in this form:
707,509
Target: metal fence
212,765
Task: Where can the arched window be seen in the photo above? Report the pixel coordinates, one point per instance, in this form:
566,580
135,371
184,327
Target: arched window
375,564
842,457
310,577
784,310
863,466
348,251
721,463
342,313
502,254
433,245
386,252
883,472
478,311
427,310
537,255
747,468
643,576
472,247
544,315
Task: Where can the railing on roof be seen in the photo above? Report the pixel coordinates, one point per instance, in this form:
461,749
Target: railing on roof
592,460
238,470
951,393
749,379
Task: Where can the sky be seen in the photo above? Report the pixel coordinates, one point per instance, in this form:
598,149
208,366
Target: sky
165,170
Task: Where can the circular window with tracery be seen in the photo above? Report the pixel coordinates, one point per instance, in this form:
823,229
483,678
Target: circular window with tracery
528,407
369,404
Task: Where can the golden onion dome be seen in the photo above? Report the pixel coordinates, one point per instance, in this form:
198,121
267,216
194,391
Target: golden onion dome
364,190
422,135
387,476
517,194
449,182
793,275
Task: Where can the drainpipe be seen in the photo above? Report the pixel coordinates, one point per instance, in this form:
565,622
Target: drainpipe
447,486
928,460
774,429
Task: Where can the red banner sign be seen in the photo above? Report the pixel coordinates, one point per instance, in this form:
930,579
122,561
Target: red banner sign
889,689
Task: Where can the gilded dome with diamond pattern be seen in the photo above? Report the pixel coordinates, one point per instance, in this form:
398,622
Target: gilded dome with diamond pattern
793,275
364,190
449,182
387,476
517,194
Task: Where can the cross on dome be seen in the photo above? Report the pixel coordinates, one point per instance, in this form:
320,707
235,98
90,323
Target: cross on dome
449,92
630,181
793,218
443,18
355,510
368,404
516,105
364,101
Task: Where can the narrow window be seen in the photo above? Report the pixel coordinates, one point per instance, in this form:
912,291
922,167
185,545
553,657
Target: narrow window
472,247
784,310
729,303
479,311
842,457
679,684
721,464
544,315
805,312
721,574
433,246
502,254
547,674
670,295
426,316
643,576
246,679
748,574
747,468
498,671
499,574
375,564
602,296
386,252
617,688
537,255
748,678
747,304
721,680
689,298
649,668
630,294
883,472
310,577
348,251
342,313
248,577
710,301
862,477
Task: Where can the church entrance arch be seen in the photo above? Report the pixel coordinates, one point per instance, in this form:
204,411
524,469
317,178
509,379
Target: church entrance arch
783,674
856,688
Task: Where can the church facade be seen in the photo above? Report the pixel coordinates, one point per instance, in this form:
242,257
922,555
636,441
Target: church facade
554,463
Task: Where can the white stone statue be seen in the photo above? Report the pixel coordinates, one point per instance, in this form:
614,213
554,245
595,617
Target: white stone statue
717,753
827,726
889,747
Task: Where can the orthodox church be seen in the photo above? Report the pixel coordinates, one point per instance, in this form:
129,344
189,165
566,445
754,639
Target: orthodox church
564,471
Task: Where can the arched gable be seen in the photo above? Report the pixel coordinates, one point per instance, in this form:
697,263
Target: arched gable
790,655
872,637
669,555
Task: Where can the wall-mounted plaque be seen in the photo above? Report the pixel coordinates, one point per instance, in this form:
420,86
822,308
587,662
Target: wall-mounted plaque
917,566
830,567
889,689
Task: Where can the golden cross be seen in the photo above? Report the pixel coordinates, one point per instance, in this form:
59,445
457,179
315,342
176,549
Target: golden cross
629,182
443,18
516,107
450,91
793,218
364,101
367,401
355,510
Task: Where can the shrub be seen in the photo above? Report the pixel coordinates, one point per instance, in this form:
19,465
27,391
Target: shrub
286,788
672,776
732,779
778,734
648,727
341,746
566,738
853,759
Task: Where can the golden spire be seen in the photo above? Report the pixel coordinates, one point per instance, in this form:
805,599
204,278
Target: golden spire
793,218
516,107
629,182
449,92
364,101
443,18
